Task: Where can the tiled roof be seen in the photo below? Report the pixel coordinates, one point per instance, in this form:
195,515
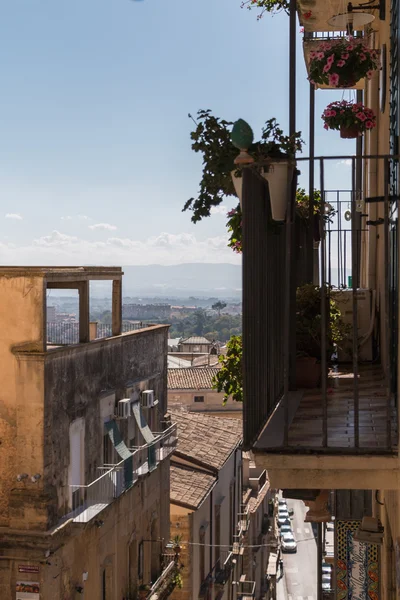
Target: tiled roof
206,438
174,362
189,486
192,378
195,340
206,360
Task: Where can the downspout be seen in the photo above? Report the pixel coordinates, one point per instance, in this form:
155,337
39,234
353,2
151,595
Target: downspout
211,531
372,178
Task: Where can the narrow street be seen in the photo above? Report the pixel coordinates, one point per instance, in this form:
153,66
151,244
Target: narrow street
299,580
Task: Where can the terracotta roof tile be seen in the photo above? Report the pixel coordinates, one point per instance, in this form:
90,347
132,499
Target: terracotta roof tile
199,378
206,438
198,340
189,486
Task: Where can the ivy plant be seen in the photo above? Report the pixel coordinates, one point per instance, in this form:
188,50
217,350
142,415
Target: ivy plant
212,138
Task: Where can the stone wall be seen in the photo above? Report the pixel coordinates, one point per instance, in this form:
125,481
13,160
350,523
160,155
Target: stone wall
181,525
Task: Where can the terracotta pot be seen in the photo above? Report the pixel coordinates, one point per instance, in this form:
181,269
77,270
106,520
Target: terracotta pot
308,372
350,132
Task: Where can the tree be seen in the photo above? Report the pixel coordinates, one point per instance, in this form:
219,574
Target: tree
229,378
218,306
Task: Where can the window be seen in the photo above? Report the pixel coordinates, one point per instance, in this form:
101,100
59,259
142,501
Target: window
199,398
76,461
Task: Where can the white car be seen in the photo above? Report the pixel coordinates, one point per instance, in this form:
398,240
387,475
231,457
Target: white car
283,516
282,502
330,527
326,569
288,543
286,528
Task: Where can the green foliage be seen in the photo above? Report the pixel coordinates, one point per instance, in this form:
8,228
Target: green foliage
177,580
308,323
176,540
303,205
212,326
269,6
212,138
234,226
218,306
229,378
348,114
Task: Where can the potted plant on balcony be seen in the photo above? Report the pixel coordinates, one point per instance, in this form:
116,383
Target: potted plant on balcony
272,156
350,118
308,334
340,63
176,543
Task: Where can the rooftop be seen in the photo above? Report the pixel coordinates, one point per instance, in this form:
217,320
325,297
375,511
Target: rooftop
207,439
63,273
189,487
174,362
191,378
196,340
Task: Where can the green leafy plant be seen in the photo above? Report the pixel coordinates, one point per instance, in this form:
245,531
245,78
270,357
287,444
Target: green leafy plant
309,321
342,62
177,580
341,114
212,138
269,6
302,207
176,540
229,378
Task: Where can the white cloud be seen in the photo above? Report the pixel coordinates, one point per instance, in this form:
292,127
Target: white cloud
347,162
165,249
68,218
103,226
15,216
219,210
84,218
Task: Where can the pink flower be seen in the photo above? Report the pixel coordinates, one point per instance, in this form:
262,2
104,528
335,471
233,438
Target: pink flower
369,74
312,82
361,116
369,124
326,68
307,15
330,60
301,29
313,54
341,63
345,55
320,55
326,126
334,79
362,57
333,113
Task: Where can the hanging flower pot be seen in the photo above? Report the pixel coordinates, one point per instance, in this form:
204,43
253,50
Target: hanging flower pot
342,62
279,175
350,118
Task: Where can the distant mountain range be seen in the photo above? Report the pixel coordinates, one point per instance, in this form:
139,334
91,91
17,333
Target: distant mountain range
192,279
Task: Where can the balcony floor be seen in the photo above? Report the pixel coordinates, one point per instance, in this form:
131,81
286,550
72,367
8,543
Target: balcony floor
306,427
305,430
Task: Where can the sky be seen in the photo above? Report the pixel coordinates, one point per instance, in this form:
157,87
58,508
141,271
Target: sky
95,156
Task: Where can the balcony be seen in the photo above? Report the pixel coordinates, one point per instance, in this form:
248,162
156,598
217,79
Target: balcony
165,584
90,500
67,333
343,432
219,576
246,589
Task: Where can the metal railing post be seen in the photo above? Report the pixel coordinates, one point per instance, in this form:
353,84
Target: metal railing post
354,269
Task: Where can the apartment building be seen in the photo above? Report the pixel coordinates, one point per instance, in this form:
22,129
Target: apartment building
342,436
85,448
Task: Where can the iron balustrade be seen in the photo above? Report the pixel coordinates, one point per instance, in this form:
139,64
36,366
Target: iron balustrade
66,333
269,313
89,500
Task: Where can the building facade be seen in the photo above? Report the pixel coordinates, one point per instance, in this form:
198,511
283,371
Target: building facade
85,447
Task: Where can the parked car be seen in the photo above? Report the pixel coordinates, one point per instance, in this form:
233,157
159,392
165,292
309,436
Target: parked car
288,543
330,527
326,581
291,511
283,516
326,568
282,503
286,528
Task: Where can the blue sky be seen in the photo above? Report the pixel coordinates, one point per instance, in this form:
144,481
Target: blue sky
95,158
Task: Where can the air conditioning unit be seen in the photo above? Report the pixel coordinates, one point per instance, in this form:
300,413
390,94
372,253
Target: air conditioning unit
148,398
365,318
124,408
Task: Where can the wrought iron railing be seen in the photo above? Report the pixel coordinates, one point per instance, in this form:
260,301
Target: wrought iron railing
68,333
269,310
89,500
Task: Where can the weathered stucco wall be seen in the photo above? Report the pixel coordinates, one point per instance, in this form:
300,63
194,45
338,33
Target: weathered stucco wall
139,514
21,392
75,379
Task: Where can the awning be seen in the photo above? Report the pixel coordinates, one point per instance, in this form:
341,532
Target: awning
119,445
272,564
142,423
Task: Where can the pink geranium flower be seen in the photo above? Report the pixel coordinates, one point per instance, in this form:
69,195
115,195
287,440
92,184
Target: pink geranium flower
369,74
361,116
341,63
362,57
334,79
369,124
326,126
326,68
345,55
320,55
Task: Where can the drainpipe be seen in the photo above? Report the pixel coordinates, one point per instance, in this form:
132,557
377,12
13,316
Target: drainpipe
211,530
372,147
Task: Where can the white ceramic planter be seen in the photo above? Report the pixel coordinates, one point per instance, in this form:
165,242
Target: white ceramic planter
279,176
237,184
